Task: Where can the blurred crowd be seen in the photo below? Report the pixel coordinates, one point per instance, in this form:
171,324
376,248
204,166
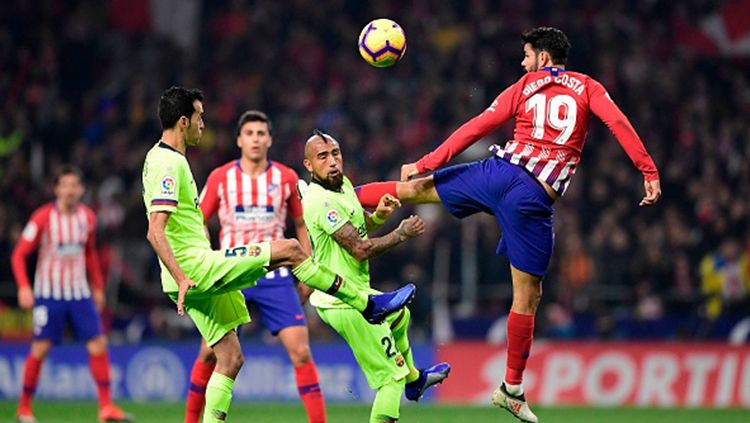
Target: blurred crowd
79,83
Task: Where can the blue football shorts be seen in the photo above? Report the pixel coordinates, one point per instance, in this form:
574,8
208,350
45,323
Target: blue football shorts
517,200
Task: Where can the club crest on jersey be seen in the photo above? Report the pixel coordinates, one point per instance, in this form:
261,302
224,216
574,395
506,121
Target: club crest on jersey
253,251
333,217
167,185
272,187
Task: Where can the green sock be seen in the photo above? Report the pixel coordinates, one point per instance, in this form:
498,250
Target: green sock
218,398
317,276
387,402
399,329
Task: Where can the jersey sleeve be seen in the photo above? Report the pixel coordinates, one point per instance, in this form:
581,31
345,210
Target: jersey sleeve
294,203
209,197
92,256
162,187
502,109
605,109
27,244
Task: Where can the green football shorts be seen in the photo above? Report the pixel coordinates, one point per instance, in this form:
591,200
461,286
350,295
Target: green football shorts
373,346
216,304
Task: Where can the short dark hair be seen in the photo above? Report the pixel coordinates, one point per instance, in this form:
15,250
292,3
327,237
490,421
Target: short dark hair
551,40
175,103
254,116
67,169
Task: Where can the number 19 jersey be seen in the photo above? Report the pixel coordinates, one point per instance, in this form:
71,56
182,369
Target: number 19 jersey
552,108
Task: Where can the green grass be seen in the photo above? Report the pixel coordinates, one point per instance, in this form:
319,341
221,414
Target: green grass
62,412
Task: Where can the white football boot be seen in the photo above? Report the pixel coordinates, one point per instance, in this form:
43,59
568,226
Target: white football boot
515,404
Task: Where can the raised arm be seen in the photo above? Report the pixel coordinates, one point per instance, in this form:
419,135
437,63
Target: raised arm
365,249
500,111
157,223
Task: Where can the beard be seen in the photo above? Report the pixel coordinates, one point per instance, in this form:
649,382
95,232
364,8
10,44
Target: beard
332,183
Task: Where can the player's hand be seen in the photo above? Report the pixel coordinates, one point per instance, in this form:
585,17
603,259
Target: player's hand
408,170
184,285
25,298
387,205
99,301
304,293
411,227
653,193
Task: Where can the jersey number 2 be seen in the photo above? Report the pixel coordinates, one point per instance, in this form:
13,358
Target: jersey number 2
549,113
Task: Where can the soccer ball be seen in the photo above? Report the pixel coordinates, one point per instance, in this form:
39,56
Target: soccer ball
382,42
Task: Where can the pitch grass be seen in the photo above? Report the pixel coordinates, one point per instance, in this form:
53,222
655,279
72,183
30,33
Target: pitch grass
64,412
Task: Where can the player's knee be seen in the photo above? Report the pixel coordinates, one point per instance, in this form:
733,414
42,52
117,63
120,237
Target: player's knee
415,190
300,355
206,355
234,362
97,345
288,250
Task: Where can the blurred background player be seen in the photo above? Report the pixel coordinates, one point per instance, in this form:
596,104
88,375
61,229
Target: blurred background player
551,107
64,233
253,196
338,228
206,283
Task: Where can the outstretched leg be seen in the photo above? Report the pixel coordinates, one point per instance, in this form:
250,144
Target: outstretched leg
416,191
374,308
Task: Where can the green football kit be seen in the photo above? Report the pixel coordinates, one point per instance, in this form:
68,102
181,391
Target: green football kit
215,304
382,351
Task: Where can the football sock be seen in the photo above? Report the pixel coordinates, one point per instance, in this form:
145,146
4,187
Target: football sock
309,392
218,398
197,392
369,194
317,276
520,335
387,402
99,366
514,390
31,371
399,329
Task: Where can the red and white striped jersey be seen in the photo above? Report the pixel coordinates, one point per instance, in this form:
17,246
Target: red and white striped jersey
67,249
552,109
251,209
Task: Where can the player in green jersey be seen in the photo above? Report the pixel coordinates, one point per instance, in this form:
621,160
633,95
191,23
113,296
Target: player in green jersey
338,228
206,284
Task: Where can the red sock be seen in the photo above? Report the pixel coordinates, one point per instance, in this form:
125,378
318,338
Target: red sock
197,392
369,194
31,371
309,392
99,365
520,335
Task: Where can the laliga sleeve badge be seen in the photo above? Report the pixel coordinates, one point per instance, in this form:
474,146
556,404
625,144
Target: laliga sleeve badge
168,185
333,218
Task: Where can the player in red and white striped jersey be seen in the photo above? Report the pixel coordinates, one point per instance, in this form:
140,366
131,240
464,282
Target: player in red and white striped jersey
253,196
551,107
63,233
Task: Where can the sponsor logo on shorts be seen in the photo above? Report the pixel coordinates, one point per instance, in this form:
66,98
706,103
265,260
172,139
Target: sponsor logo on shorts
299,316
253,251
167,185
333,217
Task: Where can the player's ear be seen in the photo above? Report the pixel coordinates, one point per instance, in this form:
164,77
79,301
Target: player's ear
308,165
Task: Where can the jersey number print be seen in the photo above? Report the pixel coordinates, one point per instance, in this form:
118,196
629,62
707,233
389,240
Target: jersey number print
548,113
